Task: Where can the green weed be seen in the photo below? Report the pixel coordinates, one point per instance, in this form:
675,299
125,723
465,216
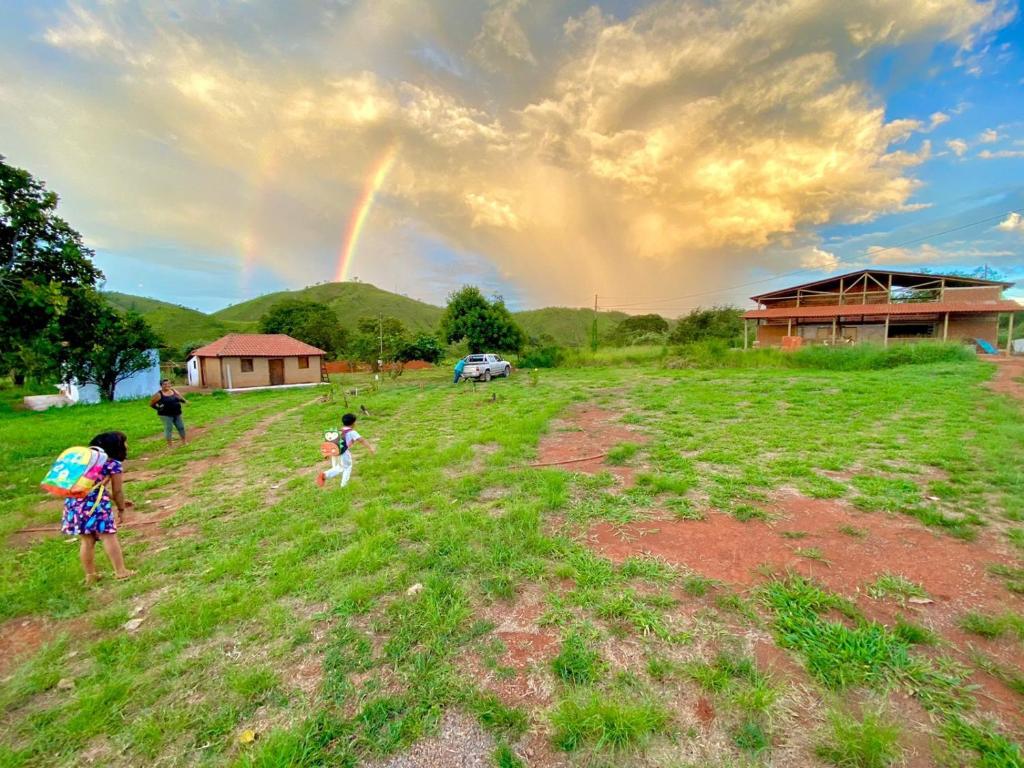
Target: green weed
607,723
870,742
894,585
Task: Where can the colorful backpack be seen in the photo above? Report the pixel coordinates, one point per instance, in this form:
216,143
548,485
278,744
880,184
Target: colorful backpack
76,472
334,442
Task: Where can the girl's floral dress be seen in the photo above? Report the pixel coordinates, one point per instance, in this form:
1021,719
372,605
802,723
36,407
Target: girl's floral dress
84,516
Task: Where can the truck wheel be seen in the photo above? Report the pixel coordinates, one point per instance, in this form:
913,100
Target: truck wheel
508,371
487,375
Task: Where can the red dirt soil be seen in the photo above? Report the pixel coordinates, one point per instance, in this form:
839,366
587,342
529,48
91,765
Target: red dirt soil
952,572
1009,378
23,636
578,442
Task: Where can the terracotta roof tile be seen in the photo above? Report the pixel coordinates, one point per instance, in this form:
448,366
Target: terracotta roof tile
922,308
256,345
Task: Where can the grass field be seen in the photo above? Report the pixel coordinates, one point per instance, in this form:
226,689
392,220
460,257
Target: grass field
456,601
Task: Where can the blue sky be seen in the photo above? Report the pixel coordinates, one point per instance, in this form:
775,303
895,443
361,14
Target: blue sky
662,155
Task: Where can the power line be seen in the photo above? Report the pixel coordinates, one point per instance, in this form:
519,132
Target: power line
653,302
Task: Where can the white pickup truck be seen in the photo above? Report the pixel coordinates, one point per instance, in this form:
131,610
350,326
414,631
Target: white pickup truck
483,367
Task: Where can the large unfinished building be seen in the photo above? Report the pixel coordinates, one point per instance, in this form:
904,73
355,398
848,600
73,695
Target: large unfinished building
880,306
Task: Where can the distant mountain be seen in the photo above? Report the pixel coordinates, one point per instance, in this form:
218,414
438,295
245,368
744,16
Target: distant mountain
569,327
179,325
176,325
350,300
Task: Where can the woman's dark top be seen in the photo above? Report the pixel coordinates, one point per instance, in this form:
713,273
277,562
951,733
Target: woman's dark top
168,405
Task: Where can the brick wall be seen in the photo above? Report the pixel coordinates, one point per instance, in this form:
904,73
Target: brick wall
966,327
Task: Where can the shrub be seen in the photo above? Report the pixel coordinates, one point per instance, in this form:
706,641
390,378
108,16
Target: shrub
542,357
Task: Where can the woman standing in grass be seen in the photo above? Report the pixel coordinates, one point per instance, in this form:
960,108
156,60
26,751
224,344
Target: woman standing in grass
91,518
167,402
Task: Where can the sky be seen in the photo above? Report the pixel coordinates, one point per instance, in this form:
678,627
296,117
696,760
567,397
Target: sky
661,155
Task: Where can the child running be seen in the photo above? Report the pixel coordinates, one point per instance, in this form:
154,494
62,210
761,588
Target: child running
347,439
91,518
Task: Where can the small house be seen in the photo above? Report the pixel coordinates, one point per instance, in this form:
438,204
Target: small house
244,360
874,305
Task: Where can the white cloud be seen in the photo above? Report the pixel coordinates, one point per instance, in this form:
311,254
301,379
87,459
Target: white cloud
957,146
1012,223
1000,154
686,138
988,136
816,258
929,254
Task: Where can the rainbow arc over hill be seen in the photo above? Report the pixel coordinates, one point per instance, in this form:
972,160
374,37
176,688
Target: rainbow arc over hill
361,212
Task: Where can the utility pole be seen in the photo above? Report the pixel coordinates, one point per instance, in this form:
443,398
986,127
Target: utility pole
593,332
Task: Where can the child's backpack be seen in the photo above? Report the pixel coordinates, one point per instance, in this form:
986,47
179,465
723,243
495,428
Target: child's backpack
76,472
334,442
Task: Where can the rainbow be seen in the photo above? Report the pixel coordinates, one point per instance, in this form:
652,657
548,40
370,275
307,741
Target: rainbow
378,173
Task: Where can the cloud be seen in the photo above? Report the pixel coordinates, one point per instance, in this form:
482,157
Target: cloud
1000,154
816,258
1012,223
930,254
957,146
587,153
988,136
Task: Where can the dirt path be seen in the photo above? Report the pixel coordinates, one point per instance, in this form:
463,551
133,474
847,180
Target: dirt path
147,522
1009,378
580,441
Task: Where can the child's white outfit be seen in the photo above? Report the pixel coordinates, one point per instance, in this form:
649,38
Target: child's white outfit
342,465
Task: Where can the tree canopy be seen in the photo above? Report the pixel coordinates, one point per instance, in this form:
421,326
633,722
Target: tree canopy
486,326
43,265
717,323
374,332
308,321
104,346
631,329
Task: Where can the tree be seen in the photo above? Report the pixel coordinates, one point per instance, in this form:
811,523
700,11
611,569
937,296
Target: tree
370,332
717,323
106,347
308,321
424,347
43,263
630,329
485,325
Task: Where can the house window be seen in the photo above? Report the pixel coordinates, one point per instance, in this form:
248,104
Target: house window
246,365
303,362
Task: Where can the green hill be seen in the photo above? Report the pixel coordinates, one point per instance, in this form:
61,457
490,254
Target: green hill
176,325
569,327
350,300
179,325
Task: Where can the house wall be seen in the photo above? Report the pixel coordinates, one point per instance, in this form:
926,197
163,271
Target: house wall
210,373
975,293
968,327
770,335
259,376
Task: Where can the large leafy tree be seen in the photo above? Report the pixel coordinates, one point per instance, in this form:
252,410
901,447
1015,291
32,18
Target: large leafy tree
632,328
486,326
105,346
308,321
43,265
373,333
423,347
717,323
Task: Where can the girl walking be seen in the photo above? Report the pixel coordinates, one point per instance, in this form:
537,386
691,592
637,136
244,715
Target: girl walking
91,518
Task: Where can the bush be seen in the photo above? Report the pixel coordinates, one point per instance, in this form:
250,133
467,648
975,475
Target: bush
866,357
542,357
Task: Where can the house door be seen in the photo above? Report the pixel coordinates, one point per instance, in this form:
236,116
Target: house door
276,371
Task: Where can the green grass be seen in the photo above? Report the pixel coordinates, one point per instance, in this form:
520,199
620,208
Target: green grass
577,662
869,742
593,721
278,574
894,585
992,626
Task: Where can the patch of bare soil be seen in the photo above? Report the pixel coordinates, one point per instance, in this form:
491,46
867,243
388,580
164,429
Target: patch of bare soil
21,637
952,572
461,743
580,442
1009,378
